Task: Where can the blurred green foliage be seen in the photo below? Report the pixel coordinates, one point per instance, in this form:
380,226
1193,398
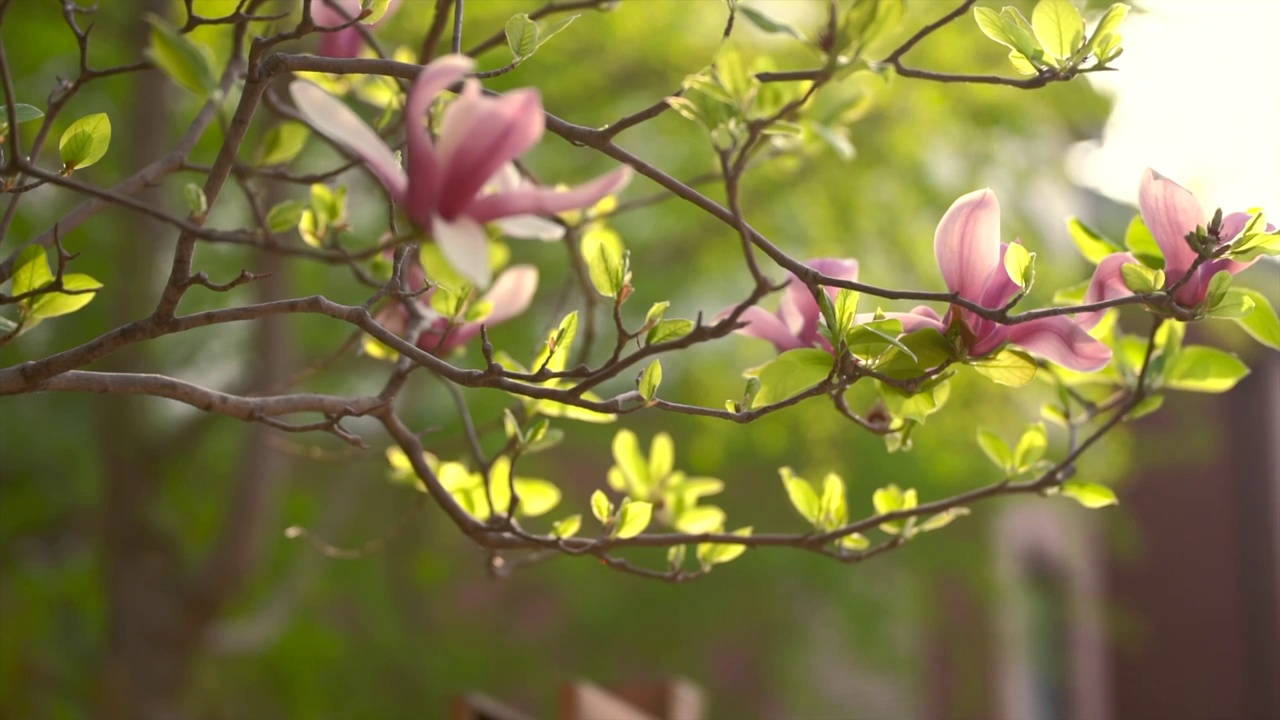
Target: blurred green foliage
405,628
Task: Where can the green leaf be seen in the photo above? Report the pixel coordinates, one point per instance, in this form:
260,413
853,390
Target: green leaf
606,259
633,518
1139,241
990,24
22,113
649,380
1031,447
195,198
791,373
1010,367
892,498
662,457
768,24
1093,246
567,527
1020,265
996,449
285,216
701,519
654,316
668,330
183,61
1090,495
601,507
284,142
916,352
632,465
53,304
943,519
833,511
522,36
855,541
31,270
1141,278
718,553
376,8
1235,304
1204,369
1059,27
555,352
1148,405
1108,28
802,495
85,141
845,309
1262,323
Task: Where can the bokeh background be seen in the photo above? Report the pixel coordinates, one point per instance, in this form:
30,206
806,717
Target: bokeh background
116,513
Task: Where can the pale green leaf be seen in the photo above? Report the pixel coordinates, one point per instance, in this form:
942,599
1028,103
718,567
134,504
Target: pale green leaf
802,495
1090,495
1204,369
85,141
633,518
791,373
1262,323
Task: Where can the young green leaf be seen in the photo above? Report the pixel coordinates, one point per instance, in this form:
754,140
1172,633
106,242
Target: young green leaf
1262,323
1059,27
285,216
649,380
833,510
1093,246
601,507
605,255
668,330
768,24
1090,495
633,518
1107,32
1204,369
1010,367
48,305
22,113
802,495
284,142
1031,447
186,63
700,519
791,373
1142,279
1020,265
1139,241
567,527
718,553
85,141
31,270
996,449
943,519
196,201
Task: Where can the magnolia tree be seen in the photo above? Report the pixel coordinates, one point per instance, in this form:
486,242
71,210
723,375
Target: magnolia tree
445,153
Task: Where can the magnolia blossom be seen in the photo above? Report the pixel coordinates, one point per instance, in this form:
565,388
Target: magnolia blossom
510,295
347,42
456,184
1171,212
795,325
971,257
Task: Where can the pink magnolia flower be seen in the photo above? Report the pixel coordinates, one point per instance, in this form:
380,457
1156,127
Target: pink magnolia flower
347,42
971,257
449,187
510,295
795,325
1170,212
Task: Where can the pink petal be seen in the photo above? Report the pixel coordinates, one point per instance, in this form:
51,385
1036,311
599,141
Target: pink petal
341,44
1107,283
529,227
425,167
1170,212
465,245
1060,340
511,293
798,309
765,325
333,119
999,288
967,243
548,201
481,134
324,15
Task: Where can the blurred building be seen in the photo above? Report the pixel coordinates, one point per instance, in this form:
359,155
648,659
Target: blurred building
1173,616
